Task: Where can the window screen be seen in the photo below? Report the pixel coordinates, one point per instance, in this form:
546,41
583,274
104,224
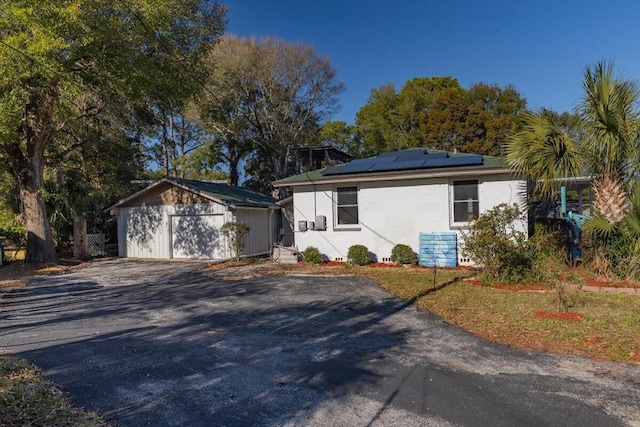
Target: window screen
347,205
465,201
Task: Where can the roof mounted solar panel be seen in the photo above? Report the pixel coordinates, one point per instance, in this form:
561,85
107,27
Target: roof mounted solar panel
453,161
384,159
333,170
437,155
404,160
396,166
411,155
370,160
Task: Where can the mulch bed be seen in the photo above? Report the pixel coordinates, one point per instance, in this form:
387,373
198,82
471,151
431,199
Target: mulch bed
600,283
569,316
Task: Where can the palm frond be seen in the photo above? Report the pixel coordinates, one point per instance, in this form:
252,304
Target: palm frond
543,153
611,117
599,229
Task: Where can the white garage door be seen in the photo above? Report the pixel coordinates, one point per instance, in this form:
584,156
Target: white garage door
197,236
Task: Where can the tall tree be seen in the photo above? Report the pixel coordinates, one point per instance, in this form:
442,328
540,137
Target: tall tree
501,111
437,112
266,96
455,124
67,60
395,120
343,136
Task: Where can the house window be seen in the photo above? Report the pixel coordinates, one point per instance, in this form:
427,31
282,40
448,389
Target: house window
465,201
346,206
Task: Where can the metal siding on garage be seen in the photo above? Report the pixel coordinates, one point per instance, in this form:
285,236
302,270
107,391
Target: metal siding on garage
197,236
121,223
146,232
257,242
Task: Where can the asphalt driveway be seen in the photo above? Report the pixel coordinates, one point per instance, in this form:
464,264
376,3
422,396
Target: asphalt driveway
166,343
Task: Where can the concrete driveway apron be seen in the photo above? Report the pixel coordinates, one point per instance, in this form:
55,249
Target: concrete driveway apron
168,343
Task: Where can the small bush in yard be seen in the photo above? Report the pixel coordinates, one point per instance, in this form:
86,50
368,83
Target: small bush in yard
359,255
235,233
312,255
403,254
497,247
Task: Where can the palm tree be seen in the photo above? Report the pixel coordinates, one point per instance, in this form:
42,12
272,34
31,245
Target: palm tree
607,148
544,153
611,119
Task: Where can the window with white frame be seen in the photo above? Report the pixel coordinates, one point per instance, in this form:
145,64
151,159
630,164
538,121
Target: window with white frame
465,201
346,205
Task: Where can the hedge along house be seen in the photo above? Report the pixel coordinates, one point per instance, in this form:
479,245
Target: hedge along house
179,218
421,198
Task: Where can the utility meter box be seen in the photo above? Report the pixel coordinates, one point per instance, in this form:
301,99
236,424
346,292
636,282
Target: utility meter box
302,226
321,223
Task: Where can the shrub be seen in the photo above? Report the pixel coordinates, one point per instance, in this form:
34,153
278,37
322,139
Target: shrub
235,233
359,255
312,255
497,247
403,254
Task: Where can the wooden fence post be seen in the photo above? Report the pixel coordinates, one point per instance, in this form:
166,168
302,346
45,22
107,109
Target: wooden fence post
80,237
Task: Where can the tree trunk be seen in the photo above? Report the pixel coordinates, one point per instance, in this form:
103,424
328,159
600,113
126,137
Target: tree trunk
233,173
40,246
28,169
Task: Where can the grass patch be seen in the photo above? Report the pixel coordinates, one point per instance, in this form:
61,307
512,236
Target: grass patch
16,274
26,398
610,329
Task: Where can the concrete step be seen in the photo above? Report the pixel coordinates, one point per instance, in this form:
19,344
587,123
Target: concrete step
285,255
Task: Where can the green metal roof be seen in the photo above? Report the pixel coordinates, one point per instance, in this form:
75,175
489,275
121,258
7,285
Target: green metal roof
316,176
227,194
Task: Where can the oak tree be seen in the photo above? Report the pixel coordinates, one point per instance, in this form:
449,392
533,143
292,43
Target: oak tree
69,61
265,97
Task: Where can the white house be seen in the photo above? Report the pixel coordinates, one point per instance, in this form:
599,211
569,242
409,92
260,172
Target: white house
179,218
394,197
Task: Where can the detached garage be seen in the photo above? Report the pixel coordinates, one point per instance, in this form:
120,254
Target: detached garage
180,218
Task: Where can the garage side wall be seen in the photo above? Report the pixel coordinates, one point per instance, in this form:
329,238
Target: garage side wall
258,241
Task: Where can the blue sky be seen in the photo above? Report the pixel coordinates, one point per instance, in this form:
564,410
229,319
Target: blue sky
540,47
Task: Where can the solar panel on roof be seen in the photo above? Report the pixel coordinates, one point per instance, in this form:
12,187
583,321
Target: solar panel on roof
453,161
385,159
411,155
356,168
333,170
367,161
396,166
403,160
438,155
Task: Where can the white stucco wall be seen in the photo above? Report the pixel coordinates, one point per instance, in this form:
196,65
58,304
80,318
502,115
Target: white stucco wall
392,212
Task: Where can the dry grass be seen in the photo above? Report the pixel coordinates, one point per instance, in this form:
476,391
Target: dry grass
26,398
16,274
